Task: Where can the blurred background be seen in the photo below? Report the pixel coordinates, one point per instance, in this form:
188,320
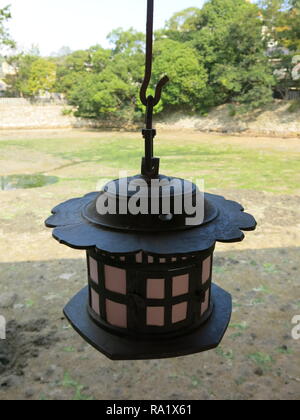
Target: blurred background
70,116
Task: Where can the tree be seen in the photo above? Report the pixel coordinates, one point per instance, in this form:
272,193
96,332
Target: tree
100,58
71,68
285,76
282,20
18,81
290,33
5,39
271,10
32,75
228,37
103,83
42,77
186,71
130,42
100,95
213,55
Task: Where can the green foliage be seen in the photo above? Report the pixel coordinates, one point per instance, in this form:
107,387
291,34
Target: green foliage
213,55
282,20
288,26
180,25
283,70
129,42
67,112
42,77
272,14
294,107
33,75
186,71
102,83
228,36
69,68
5,39
262,359
18,82
183,21
100,95
69,382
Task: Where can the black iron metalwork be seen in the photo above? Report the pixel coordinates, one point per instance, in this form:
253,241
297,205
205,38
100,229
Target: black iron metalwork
150,292
74,229
158,222
135,296
150,164
124,347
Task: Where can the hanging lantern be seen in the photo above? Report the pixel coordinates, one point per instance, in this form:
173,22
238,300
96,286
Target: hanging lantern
150,291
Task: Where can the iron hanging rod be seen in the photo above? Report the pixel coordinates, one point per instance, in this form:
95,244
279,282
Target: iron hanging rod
149,57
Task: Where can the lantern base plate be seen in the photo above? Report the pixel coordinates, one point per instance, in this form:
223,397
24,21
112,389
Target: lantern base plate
117,347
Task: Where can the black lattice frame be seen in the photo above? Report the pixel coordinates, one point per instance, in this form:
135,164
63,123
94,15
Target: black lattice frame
124,347
136,300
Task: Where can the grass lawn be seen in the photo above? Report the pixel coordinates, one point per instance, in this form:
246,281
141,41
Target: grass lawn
222,164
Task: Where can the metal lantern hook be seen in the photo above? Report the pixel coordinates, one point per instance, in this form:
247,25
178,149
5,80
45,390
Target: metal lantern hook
149,57
150,165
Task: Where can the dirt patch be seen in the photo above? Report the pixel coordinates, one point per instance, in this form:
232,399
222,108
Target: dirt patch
23,343
17,160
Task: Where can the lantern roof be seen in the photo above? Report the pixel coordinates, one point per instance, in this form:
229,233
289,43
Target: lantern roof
72,228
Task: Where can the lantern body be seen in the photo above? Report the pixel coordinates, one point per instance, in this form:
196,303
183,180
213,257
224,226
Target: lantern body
148,295
142,306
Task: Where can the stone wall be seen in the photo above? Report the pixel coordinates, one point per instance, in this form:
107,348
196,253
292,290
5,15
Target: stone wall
275,120
17,113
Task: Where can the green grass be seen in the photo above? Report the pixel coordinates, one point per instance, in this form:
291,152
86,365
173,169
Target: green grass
196,382
270,268
241,326
222,166
235,336
284,350
227,354
294,106
69,382
29,303
262,289
256,302
261,359
69,349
